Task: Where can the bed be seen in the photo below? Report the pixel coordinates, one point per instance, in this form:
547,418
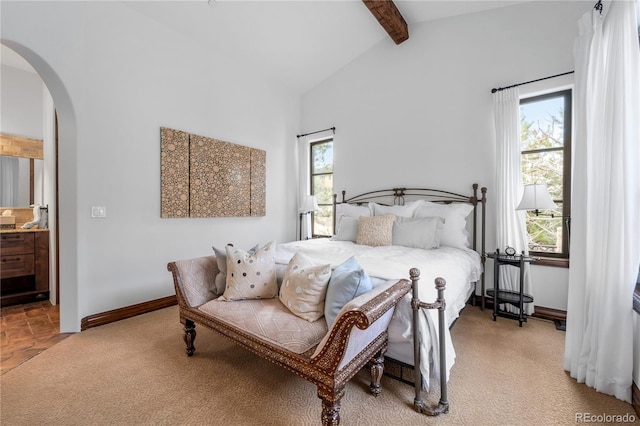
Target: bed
435,231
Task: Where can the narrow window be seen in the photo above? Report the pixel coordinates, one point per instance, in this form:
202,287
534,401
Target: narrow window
322,187
546,158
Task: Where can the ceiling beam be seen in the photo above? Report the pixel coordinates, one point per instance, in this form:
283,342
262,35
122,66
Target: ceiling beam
17,146
390,18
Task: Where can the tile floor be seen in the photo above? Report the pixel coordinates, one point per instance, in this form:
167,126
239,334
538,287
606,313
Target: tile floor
27,330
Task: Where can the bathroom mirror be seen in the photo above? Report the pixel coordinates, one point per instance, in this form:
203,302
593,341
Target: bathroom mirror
21,171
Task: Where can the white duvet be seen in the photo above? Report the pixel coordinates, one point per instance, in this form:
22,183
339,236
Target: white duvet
459,267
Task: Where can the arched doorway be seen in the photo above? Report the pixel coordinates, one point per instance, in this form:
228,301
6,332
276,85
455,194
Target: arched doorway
66,229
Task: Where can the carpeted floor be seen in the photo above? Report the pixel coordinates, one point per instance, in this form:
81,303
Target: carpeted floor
135,372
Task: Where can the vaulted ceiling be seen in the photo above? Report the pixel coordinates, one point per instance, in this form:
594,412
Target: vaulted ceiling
298,43
295,43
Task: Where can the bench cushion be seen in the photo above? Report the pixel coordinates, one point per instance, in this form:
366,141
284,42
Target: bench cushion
269,320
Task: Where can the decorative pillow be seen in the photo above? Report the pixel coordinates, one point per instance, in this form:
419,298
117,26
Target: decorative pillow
375,230
405,211
347,281
221,259
347,229
423,233
304,287
251,276
454,231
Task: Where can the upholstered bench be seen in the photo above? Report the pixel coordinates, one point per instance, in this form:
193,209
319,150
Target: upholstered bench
327,357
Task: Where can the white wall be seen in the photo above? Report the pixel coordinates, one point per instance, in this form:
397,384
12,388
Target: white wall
117,77
420,114
21,103
21,115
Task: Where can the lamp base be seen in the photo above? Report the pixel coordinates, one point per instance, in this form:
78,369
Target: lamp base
300,231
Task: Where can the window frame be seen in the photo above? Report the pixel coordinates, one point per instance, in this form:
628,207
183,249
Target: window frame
561,258
311,186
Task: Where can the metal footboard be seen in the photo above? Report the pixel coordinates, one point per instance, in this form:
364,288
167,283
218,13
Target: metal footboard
416,305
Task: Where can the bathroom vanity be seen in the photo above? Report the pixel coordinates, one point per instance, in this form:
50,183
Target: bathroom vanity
24,266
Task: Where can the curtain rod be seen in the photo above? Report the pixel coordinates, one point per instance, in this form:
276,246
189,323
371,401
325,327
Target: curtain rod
318,131
598,6
532,81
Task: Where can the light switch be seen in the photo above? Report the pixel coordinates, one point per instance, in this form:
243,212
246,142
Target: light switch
98,212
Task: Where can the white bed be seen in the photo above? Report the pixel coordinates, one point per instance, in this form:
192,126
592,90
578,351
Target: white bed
453,259
461,268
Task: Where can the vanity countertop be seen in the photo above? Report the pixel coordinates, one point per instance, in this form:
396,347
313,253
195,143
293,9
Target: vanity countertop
7,231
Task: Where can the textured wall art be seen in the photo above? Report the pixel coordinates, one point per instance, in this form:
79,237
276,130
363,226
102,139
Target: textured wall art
205,177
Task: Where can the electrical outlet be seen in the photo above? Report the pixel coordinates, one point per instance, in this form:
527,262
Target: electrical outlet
98,212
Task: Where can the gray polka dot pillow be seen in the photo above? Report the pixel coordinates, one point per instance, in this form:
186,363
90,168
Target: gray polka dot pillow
251,275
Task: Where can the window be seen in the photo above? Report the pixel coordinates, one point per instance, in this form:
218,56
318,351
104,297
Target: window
322,187
546,158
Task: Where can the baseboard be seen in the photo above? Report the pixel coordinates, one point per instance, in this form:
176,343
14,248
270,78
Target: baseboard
635,398
538,311
126,312
549,313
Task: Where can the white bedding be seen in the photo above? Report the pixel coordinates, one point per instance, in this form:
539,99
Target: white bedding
459,267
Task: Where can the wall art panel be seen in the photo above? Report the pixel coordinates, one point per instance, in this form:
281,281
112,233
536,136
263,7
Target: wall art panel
223,179
174,170
258,182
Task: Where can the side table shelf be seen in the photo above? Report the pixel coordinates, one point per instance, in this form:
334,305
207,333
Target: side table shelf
514,298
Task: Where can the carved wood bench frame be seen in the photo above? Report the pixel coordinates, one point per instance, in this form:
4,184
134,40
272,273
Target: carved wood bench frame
325,368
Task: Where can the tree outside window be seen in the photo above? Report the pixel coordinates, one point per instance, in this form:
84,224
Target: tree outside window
322,187
546,158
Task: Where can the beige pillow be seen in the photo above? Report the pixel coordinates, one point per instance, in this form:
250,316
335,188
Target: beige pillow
375,230
304,287
251,276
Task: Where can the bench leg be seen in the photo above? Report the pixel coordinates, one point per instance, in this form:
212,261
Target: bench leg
377,370
331,406
189,336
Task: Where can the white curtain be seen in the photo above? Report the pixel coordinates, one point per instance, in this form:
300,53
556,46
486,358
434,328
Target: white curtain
605,249
9,182
510,223
303,185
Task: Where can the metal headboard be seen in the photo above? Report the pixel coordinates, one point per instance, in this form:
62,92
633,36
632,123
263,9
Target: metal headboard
398,196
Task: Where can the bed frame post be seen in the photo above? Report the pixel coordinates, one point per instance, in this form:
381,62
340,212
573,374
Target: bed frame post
483,254
416,304
335,201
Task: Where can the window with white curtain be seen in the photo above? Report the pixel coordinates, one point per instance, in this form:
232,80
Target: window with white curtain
321,169
546,158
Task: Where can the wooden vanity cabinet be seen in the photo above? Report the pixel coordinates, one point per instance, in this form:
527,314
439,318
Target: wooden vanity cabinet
24,266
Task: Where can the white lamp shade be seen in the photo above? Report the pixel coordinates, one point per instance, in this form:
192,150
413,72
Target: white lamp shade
536,197
309,204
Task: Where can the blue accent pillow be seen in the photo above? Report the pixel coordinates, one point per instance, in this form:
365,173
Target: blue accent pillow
347,282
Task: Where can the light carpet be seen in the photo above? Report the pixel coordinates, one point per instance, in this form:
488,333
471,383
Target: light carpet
135,372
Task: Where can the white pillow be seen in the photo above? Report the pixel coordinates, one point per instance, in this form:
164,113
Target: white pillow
423,233
404,211
251,276
347,229
350,210
304,287
454,231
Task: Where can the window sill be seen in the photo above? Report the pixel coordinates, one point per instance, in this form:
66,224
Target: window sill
552,261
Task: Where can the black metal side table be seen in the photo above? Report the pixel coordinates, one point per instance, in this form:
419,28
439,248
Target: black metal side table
515,298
